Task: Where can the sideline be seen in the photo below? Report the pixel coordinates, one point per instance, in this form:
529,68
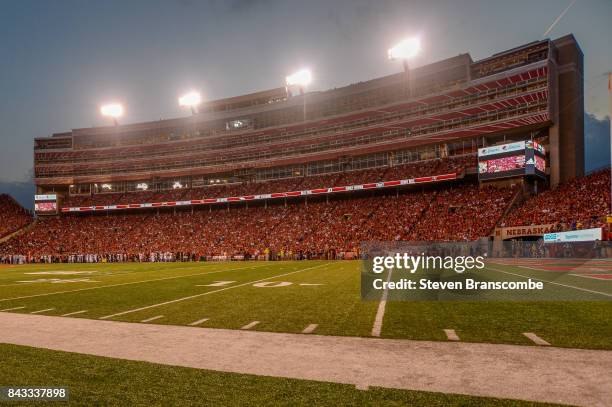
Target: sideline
546,374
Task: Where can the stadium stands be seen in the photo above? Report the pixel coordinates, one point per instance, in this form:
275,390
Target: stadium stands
315,228
419,169
577,204
12,215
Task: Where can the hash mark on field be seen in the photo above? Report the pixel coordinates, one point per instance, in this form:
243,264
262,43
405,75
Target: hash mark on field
380,314
207,293
152,318
74,313
451,335
11,309
199,321
250,325
310,329
42,310
536,339
132,282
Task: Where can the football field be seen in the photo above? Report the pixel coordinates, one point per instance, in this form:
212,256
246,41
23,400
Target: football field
314,297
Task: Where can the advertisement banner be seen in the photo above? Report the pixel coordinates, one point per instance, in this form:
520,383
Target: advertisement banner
584,235
52,197
504,148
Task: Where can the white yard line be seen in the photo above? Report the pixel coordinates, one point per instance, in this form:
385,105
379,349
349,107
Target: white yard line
536,339
152,318
380,314
451,335
208,293
11,309
310,329
74,313
550,282
130,283
199,321
250,325
42,310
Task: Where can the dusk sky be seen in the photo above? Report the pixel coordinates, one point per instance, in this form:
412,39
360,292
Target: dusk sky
61,59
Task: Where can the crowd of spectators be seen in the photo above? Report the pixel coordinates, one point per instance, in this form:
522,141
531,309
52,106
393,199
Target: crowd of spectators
463,213
317,227
12,215
579,204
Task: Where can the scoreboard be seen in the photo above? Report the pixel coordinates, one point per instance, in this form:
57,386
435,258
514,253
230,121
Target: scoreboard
511,160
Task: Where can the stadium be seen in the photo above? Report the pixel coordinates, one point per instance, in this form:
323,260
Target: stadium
231,241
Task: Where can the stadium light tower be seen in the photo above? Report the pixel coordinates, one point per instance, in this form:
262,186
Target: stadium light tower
300,79
191,100
404,51
114,110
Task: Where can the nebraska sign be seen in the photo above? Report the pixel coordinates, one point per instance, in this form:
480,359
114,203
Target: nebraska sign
518,231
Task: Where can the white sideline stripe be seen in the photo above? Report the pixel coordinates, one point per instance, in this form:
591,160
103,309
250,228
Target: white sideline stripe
42,310
550,282
451,335
591,277
11,309
536,339
250,325
209,292
380,314
132,282
74,313
152,318
310,328
199,321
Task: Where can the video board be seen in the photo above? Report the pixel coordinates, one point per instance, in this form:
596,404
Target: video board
45,204
512,159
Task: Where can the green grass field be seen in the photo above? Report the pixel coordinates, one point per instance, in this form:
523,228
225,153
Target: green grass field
98,381
231,295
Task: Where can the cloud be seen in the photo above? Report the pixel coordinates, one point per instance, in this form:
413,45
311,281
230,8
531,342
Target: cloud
596,142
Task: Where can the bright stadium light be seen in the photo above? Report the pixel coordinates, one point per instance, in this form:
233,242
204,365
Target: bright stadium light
301,78
114,110
406,49
191,100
